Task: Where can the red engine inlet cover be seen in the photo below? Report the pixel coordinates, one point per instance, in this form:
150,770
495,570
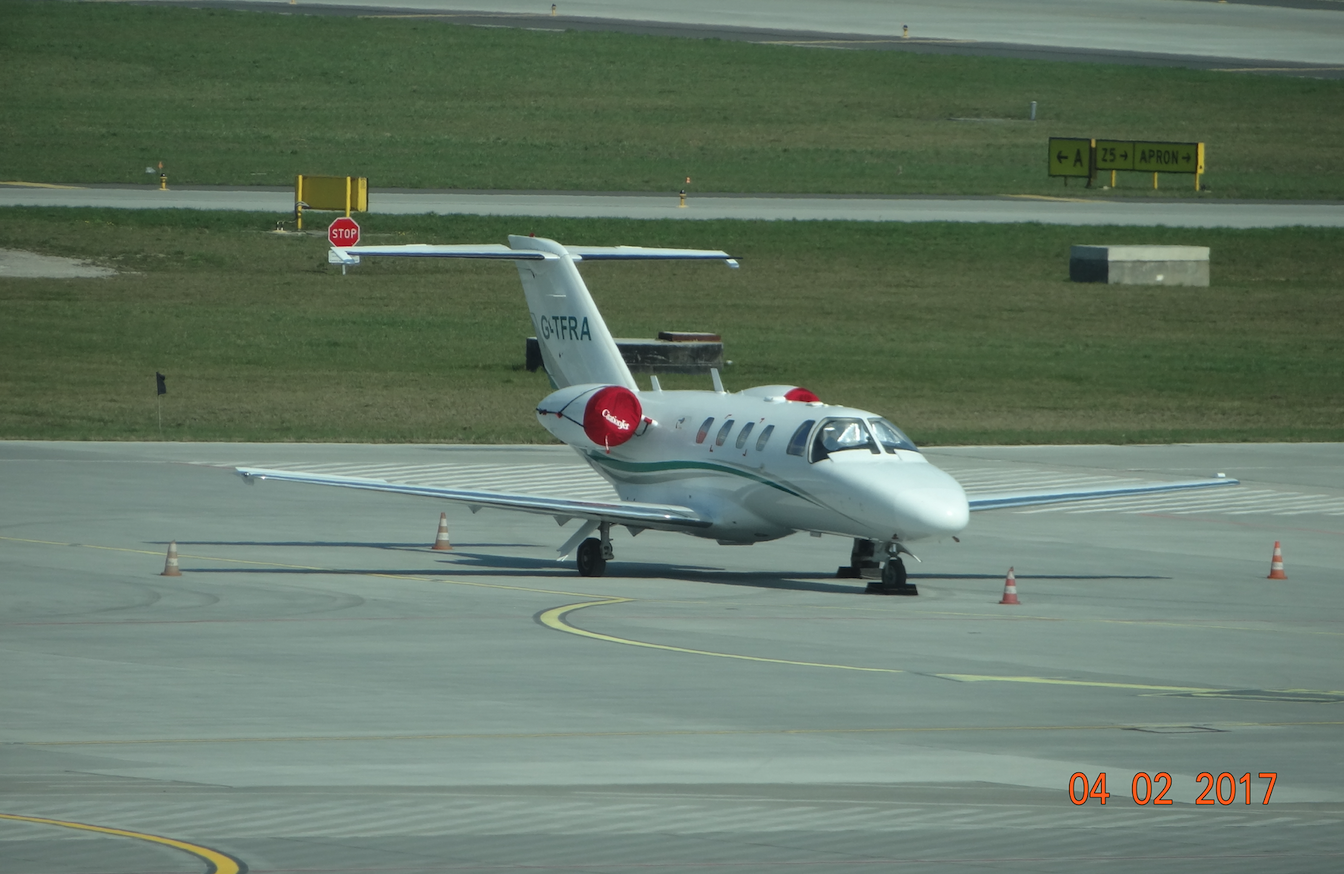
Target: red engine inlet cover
612,415
800,394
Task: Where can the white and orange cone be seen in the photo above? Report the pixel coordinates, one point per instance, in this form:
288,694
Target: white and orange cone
170,568
1010,589
441,539
1276,564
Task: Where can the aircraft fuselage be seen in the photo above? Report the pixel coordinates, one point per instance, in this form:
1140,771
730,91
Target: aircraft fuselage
759,467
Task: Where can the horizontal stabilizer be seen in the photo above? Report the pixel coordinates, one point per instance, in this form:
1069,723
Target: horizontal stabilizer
1001,500
498,252
666,517
487,251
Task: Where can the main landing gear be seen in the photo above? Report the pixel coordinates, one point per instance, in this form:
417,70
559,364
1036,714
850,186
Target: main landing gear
594,553
887,579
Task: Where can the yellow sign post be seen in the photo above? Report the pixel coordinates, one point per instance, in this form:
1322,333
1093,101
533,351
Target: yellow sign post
348,193
1116,155
1071,157
1170,158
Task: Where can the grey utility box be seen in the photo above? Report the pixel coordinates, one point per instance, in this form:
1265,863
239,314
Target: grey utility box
1140,265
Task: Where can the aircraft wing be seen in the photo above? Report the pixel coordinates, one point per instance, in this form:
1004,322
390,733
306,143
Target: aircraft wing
642,253
1001,500
665,517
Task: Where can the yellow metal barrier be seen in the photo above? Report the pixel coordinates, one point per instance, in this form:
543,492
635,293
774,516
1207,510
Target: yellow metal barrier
348,193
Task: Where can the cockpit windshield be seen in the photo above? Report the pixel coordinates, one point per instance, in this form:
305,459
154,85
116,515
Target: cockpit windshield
891,437
837,435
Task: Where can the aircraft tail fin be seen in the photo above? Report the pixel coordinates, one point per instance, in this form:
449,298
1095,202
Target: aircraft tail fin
576,346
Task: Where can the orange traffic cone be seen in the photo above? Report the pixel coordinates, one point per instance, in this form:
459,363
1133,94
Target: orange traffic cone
1010,589
170,568
1276,564
441,539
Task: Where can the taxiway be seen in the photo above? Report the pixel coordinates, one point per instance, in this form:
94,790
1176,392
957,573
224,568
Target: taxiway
319,691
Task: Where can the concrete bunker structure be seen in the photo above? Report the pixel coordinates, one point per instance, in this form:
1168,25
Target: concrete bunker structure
1140,265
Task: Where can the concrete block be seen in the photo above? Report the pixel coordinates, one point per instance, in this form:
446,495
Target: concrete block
1140,265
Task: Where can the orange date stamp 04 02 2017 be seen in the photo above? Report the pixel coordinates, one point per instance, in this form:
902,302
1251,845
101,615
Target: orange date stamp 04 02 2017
1153,788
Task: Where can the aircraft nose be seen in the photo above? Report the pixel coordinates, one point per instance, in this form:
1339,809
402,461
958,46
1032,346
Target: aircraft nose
927,503
934,510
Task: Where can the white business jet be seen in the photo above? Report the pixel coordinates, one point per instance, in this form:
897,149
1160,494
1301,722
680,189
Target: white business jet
738,468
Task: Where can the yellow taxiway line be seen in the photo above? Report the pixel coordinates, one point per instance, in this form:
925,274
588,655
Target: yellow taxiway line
44,185
215,861
555,618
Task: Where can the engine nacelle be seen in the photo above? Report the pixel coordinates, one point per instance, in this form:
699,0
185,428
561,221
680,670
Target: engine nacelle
592,416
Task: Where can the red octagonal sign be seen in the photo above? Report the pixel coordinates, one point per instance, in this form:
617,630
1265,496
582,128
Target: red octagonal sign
343,232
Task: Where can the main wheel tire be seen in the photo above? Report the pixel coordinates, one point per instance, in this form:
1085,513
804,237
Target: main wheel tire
893,575
591,562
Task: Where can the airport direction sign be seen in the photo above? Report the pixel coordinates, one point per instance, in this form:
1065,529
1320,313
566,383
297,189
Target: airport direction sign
343,232
1169,157
1115,155
1070,157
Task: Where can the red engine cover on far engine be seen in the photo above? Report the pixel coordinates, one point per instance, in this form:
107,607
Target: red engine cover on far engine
612,415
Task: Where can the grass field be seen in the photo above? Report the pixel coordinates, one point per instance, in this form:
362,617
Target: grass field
97,92
960,333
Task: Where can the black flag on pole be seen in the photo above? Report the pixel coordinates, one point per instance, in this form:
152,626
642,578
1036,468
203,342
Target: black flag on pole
163,389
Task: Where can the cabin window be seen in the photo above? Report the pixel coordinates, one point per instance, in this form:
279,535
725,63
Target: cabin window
704,430
891,437
723,433
765,437
744,434
799,441
837,435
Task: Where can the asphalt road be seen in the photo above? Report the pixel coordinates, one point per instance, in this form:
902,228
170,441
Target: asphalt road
1061,210
1258,32
320,692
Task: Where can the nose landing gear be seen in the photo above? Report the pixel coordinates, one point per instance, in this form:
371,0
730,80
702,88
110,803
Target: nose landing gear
863,564
893,580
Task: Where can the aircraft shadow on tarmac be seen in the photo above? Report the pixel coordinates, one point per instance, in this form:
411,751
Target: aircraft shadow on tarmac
1038,577
412,547
473,564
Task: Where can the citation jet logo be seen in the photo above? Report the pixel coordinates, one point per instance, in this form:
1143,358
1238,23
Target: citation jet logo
562,327
619,423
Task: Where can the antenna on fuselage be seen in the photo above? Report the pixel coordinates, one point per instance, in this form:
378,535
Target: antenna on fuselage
718,382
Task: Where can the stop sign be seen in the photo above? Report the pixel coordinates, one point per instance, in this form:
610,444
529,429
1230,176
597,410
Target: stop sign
343,232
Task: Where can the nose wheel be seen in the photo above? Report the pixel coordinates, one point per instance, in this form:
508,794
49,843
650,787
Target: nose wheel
893,580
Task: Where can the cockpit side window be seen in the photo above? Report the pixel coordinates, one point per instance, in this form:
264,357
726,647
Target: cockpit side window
723,433
744,434
704,430
798,443
891,437
837,435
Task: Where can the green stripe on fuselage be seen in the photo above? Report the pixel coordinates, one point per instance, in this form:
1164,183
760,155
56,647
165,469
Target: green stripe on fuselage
656,466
